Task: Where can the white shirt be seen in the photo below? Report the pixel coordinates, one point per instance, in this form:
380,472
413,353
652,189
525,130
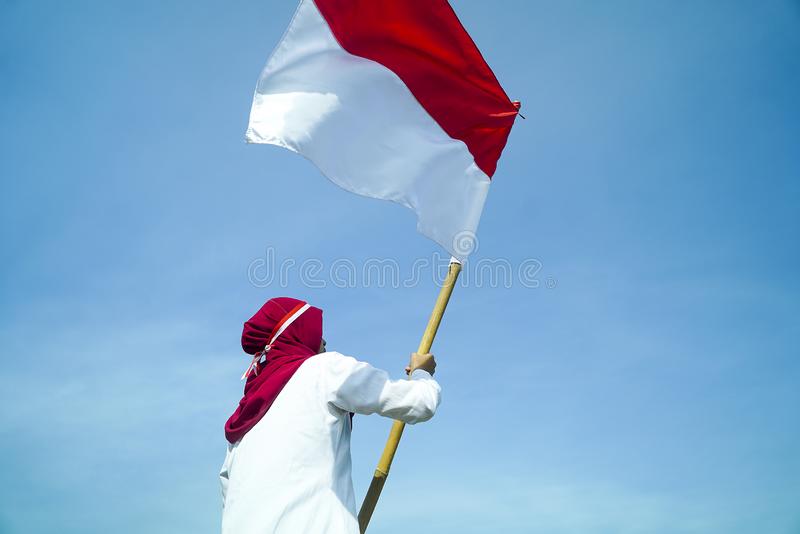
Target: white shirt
290,474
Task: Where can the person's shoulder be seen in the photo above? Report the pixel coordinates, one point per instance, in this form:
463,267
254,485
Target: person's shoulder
327,364
335,368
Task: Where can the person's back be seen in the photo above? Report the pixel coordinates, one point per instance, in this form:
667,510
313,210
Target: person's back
290,472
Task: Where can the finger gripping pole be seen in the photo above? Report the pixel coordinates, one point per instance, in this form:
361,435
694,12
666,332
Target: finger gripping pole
385,462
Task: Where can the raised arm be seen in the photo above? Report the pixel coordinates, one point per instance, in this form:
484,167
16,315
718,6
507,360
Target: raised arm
358,387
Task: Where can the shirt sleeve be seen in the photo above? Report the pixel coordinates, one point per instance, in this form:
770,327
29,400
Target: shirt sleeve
358,387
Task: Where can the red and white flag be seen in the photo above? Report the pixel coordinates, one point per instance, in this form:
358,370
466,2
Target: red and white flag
390,99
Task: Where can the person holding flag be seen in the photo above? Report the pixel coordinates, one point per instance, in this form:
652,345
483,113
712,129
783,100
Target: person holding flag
288,468
390,100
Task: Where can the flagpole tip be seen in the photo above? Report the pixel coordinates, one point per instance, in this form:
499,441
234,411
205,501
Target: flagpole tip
517,104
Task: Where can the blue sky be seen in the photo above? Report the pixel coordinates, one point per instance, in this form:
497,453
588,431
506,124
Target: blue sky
653,389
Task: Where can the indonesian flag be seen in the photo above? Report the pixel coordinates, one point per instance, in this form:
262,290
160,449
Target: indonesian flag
390,99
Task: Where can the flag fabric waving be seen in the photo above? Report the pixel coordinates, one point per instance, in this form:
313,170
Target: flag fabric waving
389,99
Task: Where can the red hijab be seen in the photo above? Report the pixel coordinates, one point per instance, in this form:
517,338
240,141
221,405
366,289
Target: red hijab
300,341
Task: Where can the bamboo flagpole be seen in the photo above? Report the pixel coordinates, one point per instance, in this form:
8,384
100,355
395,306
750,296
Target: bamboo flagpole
385,462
